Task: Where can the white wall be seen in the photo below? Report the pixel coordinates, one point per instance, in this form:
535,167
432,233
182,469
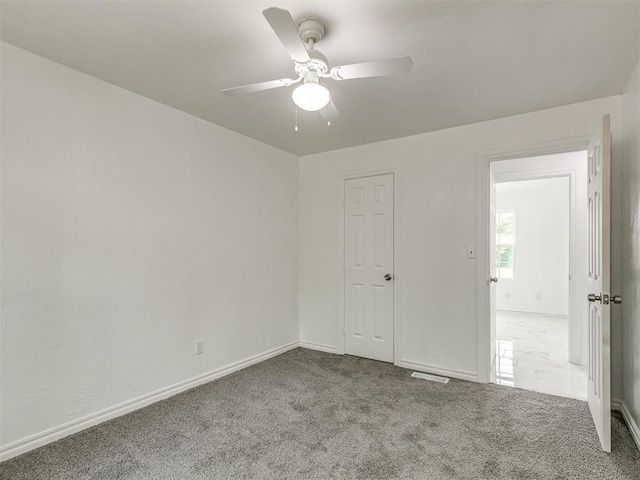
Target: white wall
631,249
131,230
439,181
541,281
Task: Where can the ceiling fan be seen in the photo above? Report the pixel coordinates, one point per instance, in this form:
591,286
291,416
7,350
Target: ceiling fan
312,66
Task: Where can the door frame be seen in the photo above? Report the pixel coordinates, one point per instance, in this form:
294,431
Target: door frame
395,170
578,287
483,162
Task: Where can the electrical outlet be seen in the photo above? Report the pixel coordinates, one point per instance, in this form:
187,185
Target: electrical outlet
538,295
507,295
199,347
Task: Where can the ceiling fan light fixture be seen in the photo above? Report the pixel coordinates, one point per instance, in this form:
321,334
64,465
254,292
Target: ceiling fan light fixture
311,96
311,65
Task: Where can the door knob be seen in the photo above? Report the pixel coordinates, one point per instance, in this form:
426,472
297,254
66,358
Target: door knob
493,279
594,298
616,299
388,277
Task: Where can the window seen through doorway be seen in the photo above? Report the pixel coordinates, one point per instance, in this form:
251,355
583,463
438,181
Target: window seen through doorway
505,244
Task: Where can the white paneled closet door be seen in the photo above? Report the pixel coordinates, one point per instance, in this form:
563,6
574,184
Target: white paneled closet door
369,267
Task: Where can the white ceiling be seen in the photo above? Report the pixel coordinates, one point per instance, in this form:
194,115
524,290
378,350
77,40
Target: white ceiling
474,61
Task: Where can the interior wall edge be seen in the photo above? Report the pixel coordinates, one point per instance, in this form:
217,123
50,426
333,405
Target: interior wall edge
56,433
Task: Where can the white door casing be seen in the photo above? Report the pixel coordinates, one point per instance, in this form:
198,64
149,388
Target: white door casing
369,262
492,274
599,231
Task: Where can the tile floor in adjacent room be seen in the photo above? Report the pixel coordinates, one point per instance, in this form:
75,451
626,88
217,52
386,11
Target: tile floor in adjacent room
533,354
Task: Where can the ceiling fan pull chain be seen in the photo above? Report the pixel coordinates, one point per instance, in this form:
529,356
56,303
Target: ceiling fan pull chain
295,128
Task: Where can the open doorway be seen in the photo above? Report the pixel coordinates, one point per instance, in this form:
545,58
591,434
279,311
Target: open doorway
541,270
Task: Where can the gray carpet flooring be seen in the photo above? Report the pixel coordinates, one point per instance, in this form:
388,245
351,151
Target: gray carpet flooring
312,415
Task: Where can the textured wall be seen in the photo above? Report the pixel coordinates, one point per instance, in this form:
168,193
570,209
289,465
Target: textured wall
631,246
131,230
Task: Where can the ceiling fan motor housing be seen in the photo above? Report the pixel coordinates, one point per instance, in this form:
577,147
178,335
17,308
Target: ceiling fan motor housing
311,30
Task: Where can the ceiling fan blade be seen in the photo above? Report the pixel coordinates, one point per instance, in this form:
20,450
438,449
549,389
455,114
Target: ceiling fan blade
377,68
329,113
286,30
257,87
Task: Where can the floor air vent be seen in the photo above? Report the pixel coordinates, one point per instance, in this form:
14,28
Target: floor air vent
432,378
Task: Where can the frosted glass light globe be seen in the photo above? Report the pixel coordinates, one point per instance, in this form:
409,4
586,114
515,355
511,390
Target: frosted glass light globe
311,96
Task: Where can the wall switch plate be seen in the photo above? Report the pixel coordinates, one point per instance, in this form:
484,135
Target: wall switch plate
199,347
507,295
471,252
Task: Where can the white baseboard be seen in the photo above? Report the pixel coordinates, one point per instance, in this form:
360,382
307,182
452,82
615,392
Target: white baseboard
51,435
318,346
445,372
410,364
620,406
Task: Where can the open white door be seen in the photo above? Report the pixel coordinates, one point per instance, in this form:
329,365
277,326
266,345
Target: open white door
599,209
493,279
